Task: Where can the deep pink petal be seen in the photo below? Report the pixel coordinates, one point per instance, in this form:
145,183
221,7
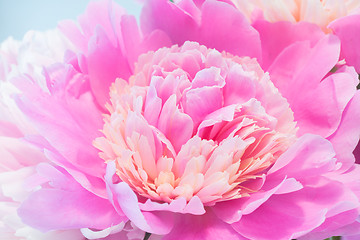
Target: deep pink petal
301,211
208,226
67,130
65,136
300,80
164,15
357,153
218,19
105,63
134,42
349,127
310,156
211,29
231,211
331,226
347,29
275,37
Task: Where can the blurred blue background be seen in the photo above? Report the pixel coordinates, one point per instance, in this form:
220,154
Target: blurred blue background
19,16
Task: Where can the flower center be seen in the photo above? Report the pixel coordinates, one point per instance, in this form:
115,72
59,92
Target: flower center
194,122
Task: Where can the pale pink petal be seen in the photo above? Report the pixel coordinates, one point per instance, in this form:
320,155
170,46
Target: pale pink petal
125,200
9,129
17,153
177,126
103,13
71,200
200,102
240,86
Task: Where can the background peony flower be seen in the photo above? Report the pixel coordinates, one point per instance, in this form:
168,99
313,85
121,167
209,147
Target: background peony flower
18,157
320,13
158,182
339,17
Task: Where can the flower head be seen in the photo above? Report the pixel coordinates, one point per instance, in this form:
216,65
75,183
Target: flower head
320,12
195,122
339,17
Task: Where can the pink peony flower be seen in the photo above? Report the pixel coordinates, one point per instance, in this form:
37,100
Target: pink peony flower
340,17
216,142
19,158
190,141
191,124
320,12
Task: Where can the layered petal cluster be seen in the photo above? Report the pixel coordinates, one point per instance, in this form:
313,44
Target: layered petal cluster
198,125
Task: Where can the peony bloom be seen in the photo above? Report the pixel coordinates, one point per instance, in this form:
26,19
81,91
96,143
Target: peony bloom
339,17
19,158
180,133
320,12
215,142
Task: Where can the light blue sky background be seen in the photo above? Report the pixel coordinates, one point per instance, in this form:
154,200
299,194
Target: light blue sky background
19,16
